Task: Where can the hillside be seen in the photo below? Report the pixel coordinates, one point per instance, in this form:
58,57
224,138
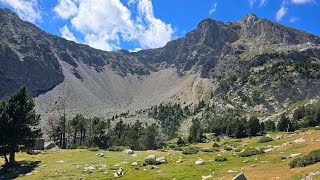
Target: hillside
253,64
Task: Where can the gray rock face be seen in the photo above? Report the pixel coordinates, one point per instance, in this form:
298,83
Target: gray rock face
240,176
55,69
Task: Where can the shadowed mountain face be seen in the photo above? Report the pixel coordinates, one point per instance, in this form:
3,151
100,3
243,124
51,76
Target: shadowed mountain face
234,61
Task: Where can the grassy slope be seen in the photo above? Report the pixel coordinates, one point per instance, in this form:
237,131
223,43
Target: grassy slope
275,167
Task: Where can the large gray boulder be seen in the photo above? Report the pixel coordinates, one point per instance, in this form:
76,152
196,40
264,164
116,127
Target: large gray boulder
161,160
39,144
151,159
50,145
128,151
240,176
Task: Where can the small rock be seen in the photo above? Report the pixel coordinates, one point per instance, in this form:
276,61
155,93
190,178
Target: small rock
300,140
78,166
179,161
151,159
100,155
263,162
294,155
134,164
106,172
29,174
199,162
244,145
240,176
89,169
119,172
60,162
206,177
268,150
134,155
161,160
231,171
253,165
279,137
128,151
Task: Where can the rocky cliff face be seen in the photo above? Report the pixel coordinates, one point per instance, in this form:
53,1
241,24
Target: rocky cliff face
234,61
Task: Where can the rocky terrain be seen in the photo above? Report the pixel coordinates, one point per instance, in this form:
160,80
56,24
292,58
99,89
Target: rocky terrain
253,64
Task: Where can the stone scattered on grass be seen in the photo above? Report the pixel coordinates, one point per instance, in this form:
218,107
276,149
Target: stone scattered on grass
134,155
60,162
300,140
231,171
29,174
161,160
279,137
100,155
179,161
206,177
293,155
151,159
128,151
199,162
89,169
119,172
240,176
134,164
253,165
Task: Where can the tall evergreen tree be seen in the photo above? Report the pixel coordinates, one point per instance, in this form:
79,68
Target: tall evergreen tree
253,126
284,124
21,124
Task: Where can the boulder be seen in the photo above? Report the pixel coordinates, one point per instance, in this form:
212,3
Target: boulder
240,176
199,162
293,155
89,169
134,164
100,155
50,145
119,172
279,137
151,159
39,144
161,160
128,151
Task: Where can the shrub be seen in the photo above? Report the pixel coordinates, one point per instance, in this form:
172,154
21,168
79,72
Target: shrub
250,152
214,149
311,158
215,145
118,148
82,147
264,139
73,146
237,150
178,149
190,150
317,128
220,159
94,149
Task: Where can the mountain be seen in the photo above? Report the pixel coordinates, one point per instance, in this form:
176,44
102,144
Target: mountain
253,64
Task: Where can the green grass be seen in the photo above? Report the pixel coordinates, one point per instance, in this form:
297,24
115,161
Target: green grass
267,166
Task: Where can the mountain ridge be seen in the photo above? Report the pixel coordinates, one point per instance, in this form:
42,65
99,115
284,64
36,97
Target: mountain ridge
216,58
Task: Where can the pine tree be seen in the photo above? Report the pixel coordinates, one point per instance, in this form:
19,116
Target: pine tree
253,126
20,123
284,124
270,126
240,131
195,132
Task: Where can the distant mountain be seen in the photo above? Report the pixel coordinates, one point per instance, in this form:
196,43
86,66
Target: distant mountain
254,65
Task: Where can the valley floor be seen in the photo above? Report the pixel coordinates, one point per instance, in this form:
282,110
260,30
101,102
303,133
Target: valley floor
70,164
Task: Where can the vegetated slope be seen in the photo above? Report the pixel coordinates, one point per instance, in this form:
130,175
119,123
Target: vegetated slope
252,64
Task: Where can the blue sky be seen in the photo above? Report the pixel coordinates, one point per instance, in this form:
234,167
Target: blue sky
141,24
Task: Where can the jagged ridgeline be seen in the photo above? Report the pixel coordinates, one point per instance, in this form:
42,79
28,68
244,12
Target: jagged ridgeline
249,66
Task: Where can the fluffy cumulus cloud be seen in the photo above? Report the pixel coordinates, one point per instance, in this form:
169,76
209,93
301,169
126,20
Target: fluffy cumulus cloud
105,23
65,32
281,13
302,1
26,9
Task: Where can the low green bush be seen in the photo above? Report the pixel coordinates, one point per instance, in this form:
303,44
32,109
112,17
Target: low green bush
250,152
190,150
265,139
118,148
72,146
82,147
311,158
228,148
220,159
237,150
94,149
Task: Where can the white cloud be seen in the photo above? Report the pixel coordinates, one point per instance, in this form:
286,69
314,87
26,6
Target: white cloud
65,32
66,8
214,8
281,13
294,19
252,2
262,3
301,1
104,23
27,9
